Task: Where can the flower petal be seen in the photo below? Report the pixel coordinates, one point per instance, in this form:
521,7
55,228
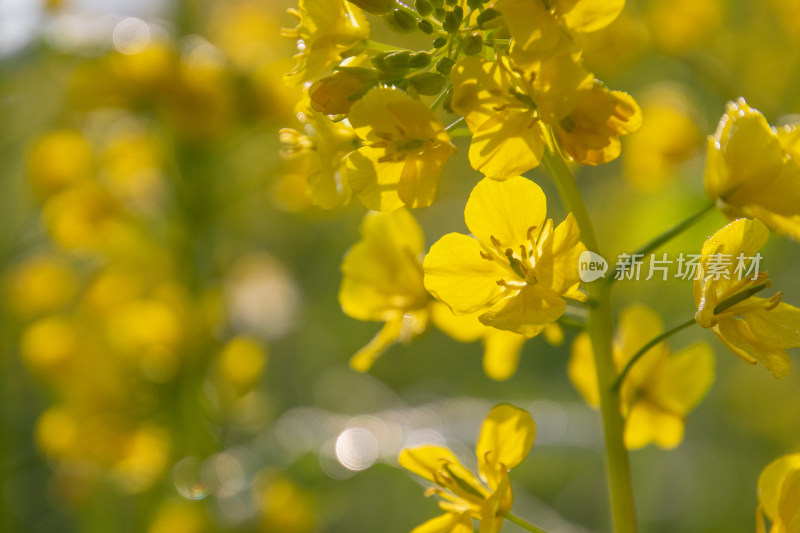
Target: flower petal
456,274
557,263
506,210
506,438
648,423
683,379
462,328
738,336
446,523
771,480
364,358
582,371
589,15
511,146
527,312
501,353
375,183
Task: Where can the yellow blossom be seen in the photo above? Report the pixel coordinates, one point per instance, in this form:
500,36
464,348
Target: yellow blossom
321,150
779,495
756,329
59,160
507,135
518,269
382,281
590,133
660,389
505,439
752,170
326,31
405,148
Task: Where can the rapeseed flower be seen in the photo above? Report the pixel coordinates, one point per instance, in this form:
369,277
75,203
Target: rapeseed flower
752,170
756,329
505,439
517,269
659,391
405,148
326,32
779,495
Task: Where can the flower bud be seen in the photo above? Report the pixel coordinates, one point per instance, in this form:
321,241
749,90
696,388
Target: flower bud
472,44
423,7
379,7
427,83
425,26
486,16
397,60
439,42
419,60
400,21
445,65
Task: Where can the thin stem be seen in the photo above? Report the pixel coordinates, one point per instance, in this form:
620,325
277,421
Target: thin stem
455,124
441,98
522,523
667,236
381,47
644,349
600,327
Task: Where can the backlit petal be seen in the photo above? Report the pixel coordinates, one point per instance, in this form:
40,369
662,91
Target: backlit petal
506,438
527,312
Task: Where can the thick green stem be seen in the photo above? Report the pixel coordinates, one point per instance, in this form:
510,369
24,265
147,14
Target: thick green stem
522,523
623,513
668,235
644,349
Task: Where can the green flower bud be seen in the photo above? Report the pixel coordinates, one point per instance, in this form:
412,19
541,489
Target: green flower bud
400,21
445,65
474,4
486,16
397,60
423,7
419,60
439,13
451,2
425,26
427,83
472,44
379,7
439,42
452,22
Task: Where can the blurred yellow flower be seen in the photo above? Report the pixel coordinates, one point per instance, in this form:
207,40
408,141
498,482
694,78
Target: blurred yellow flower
669,135
756,329
679,26
382,281
660,389
181,517
327,30
242,363
752,170
405,148
517,269
44,283
286,507
779,495
590,133
505,439
321,150
59,160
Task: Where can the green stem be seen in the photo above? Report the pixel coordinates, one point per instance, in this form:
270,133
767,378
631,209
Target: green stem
600,327
644,349
441,98
668,235
455,124
522,523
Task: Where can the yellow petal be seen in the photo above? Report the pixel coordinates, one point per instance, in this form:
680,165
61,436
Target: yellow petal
363,359
506,438
463,328
534,29
738,336
527,312
456,274
744,236
557,264
770,483
373,182
779,327
495,505
789,503
446,523
684,378
501,353
582,371
589,15
420,175
648,423
638,325
382,273
783,225
511,146
506,210
425,461
480,87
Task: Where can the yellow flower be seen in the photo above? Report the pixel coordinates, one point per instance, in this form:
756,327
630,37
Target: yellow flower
779,495
660,389
756,329
326,32
507,136
382,281
505,439
517,268
405,148
590,133
752,170
321,151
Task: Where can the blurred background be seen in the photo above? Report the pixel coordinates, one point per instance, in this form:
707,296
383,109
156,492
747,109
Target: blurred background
174,358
